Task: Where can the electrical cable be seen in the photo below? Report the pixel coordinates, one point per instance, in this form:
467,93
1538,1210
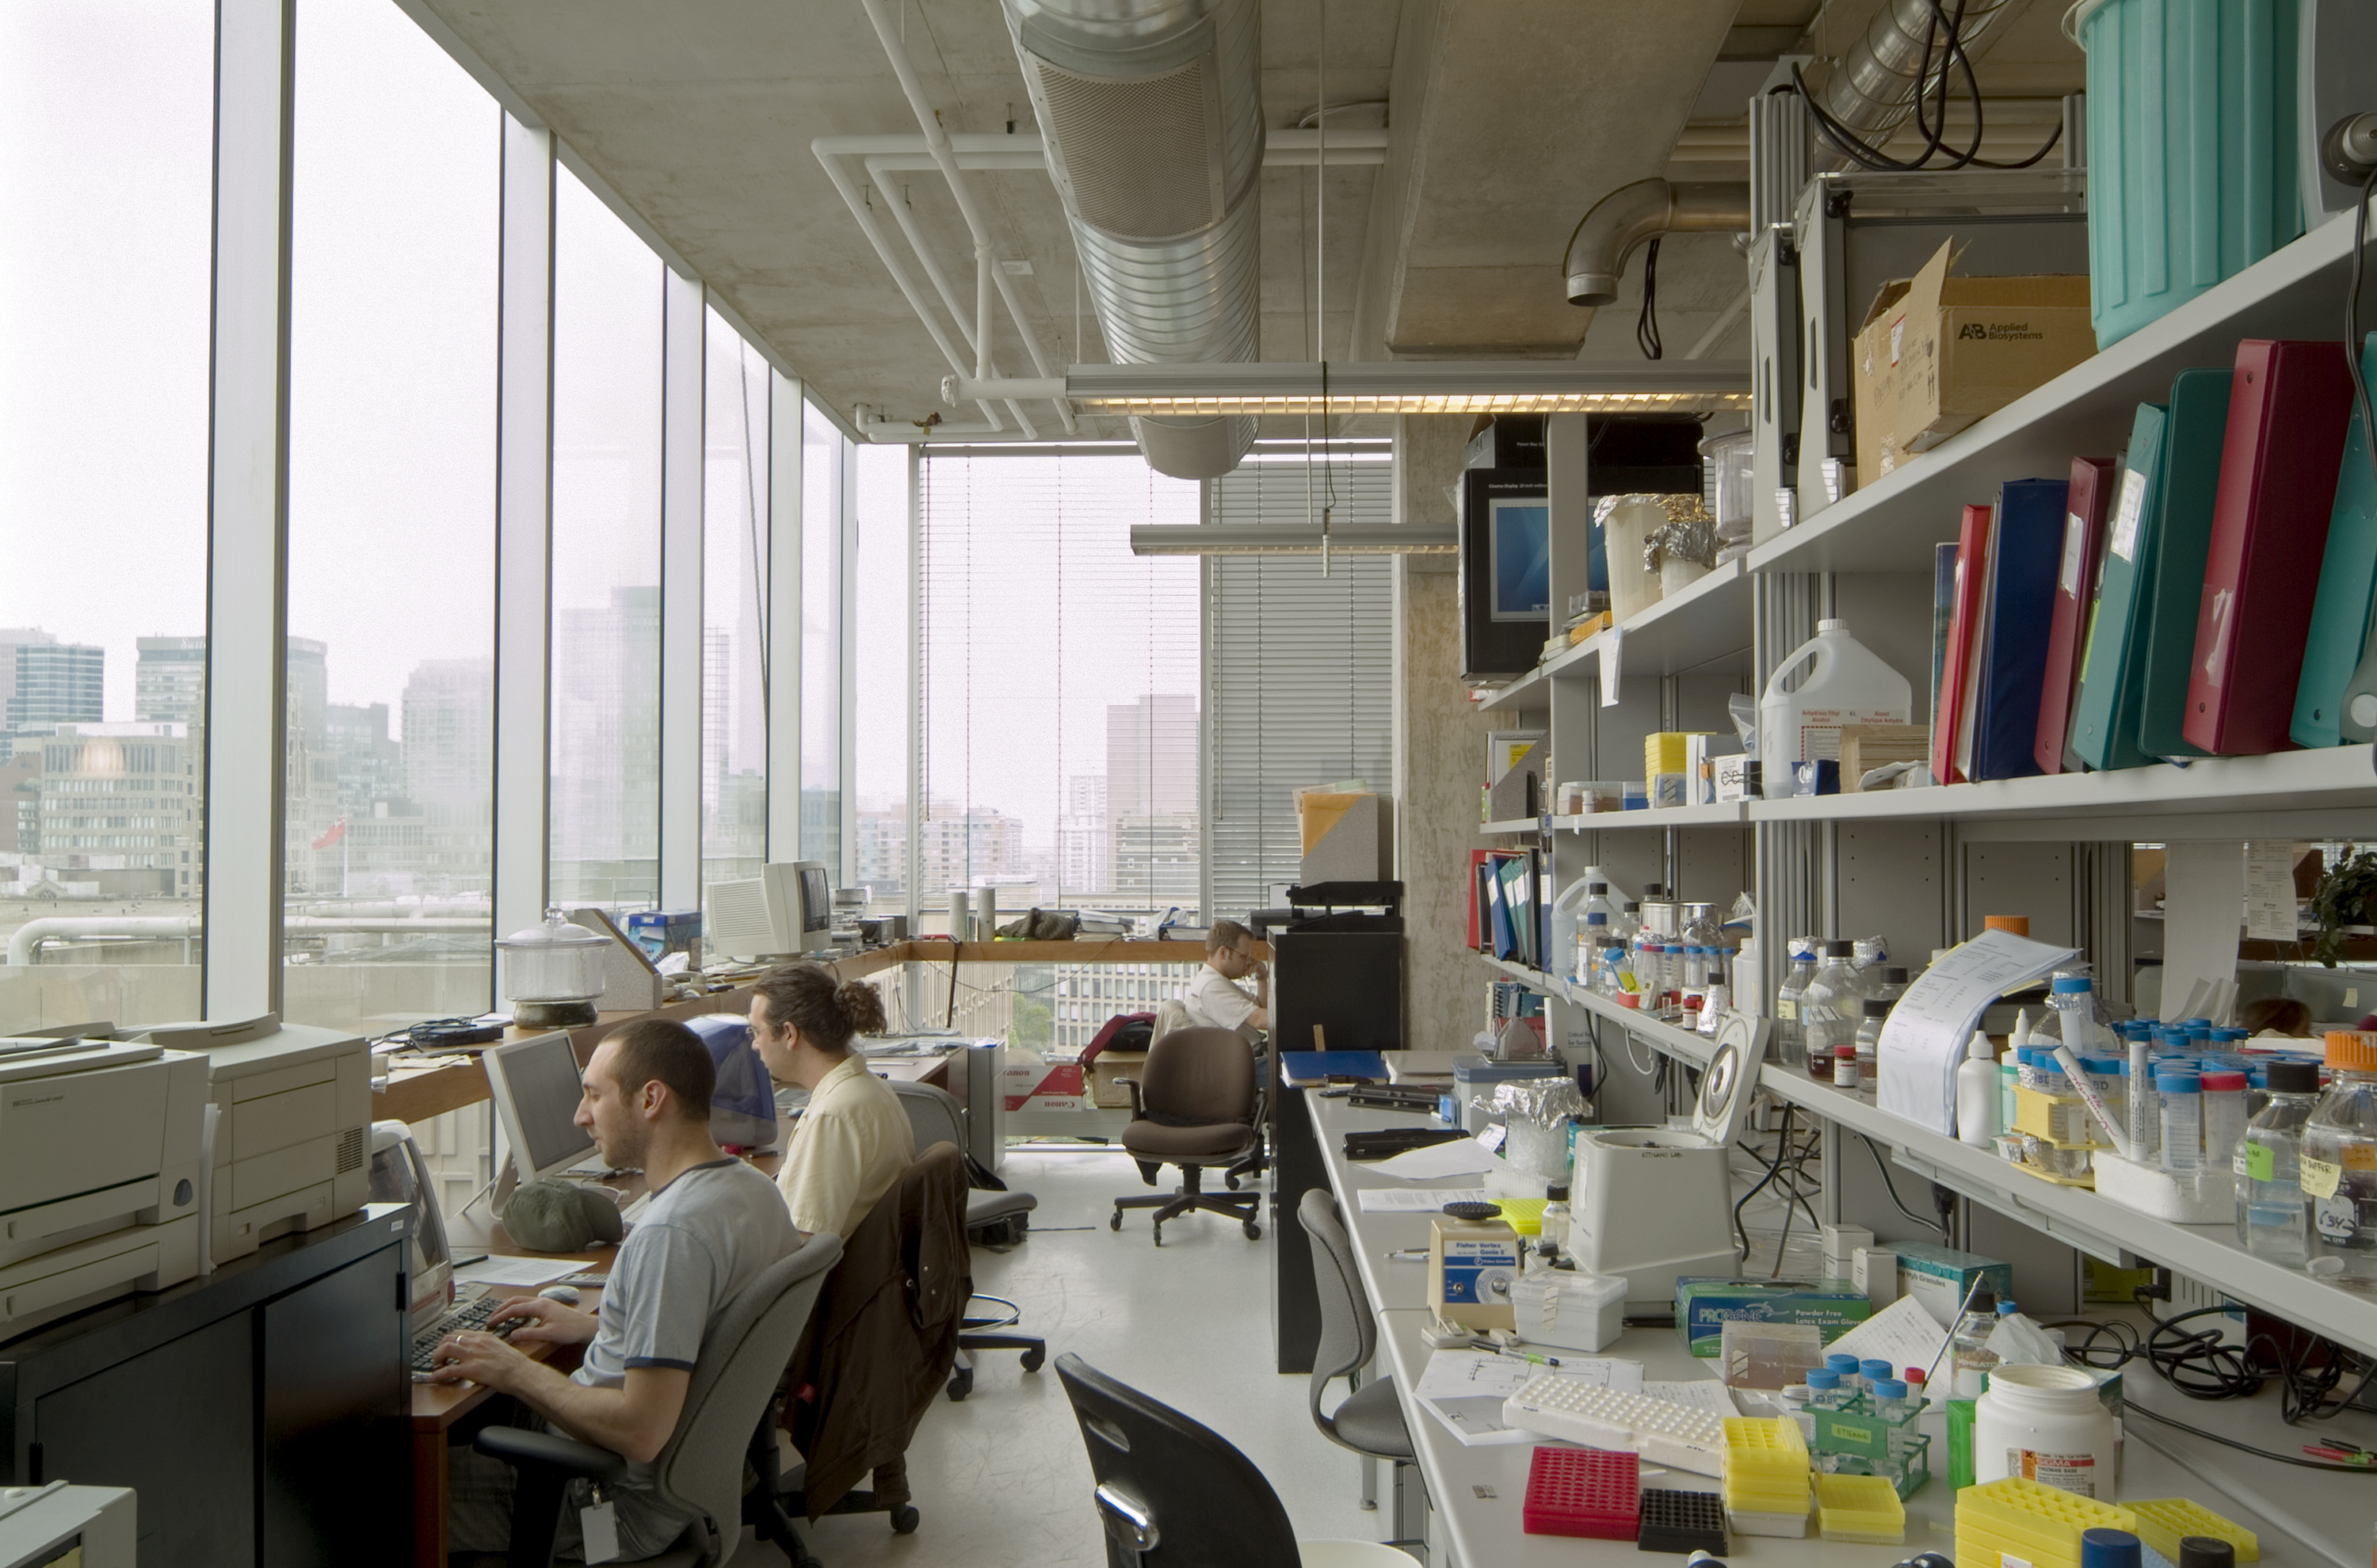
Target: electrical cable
2352,345
1953,55
1892,1188
1646,325
2297,1460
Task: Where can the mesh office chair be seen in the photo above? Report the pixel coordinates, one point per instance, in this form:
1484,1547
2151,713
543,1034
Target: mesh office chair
1194,1105
1174,1494
701,1470
1369,1420
936,1117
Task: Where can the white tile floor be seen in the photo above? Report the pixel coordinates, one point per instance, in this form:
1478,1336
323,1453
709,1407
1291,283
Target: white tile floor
1002,1478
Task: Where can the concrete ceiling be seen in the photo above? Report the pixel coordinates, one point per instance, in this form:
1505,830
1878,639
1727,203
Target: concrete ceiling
1507,119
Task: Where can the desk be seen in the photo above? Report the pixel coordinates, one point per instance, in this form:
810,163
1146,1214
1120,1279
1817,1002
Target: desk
1475,1495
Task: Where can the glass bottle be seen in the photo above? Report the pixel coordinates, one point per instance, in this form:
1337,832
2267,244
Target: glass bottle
1832,1005
1790,1034
1894,983
1700,929
1971,1339
2270,1206
1630,921
1589,943
2339,1164
1869,1039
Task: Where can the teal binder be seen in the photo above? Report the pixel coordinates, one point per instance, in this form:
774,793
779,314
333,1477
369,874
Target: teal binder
2104,719
2195,430
2348,583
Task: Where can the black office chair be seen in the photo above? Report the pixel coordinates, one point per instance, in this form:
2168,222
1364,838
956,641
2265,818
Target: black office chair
936,1117
1174,1494
1193,1106
1370,1420
702,1467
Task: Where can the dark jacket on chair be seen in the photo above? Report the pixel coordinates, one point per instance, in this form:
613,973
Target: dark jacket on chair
885,1334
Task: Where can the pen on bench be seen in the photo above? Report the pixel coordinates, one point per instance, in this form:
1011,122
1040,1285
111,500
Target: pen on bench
1539,1360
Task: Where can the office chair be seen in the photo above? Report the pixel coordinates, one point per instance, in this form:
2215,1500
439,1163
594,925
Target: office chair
1369,1421
936,1117
1173,1494
1173,1016
1193,1106
702,1467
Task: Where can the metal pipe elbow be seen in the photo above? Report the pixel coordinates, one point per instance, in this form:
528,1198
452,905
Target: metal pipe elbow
1610,230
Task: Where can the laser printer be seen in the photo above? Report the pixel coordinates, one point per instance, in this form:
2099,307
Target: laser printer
101,1166
292,1130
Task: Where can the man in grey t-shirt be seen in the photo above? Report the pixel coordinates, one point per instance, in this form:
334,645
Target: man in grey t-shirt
713,1223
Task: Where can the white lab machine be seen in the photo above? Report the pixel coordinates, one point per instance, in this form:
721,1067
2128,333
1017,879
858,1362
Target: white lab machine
101,1166
1655,1204
292,1125
60,1526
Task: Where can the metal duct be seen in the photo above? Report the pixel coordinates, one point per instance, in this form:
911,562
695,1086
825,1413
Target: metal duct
1152,115
1871,88
1608,233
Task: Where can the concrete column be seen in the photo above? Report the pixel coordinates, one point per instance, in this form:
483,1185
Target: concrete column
1439,747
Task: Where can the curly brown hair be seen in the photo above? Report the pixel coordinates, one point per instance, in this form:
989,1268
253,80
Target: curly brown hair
828,1012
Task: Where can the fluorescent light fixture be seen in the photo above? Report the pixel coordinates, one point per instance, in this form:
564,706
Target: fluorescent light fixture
1669,386
1296,539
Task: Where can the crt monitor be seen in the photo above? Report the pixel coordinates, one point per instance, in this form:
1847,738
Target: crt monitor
536,1088
787,909
399,1175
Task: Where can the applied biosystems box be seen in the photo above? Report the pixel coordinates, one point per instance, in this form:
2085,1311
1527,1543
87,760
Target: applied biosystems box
1941,1277
1704,1306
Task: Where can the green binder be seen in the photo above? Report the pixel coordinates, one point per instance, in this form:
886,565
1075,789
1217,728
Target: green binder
2195,431
2104,719
2347,581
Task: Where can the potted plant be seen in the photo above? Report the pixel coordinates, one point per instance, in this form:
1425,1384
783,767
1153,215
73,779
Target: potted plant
2345,902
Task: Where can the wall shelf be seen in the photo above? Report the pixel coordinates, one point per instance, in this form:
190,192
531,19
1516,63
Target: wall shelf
1892,523
1515,825
1704,622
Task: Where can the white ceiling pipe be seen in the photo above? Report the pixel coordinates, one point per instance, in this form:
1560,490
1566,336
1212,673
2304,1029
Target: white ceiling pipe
937,141
874,232
26,941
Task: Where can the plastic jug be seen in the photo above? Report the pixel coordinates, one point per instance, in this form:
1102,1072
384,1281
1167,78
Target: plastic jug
1567,920
1841,682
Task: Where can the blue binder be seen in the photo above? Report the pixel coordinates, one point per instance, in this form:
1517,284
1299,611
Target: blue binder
2112,671
2018,608
2347,584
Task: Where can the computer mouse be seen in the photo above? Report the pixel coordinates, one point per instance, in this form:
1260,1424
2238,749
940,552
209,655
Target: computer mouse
565,1294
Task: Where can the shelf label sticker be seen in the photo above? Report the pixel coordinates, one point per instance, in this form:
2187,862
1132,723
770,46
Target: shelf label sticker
2074,532
2261,1161
2335,1218
2126,514
2074,1473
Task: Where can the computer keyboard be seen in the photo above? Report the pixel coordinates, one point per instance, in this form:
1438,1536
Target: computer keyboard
1661,1432
472,1314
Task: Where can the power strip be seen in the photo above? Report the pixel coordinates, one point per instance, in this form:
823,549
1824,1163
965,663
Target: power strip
2191,1295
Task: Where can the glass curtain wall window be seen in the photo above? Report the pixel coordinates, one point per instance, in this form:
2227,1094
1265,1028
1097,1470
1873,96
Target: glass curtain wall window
734,612
881,610
1059,684
106,139
825,456
1298,666
606,557
389,750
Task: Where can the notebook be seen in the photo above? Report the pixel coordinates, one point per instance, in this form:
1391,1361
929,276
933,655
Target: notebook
2105,719
2347,584
1960,668
2093,482
2182,523
2018,611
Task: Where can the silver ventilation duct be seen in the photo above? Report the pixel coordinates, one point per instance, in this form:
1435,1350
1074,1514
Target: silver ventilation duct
1152,113
1871,88
1630,214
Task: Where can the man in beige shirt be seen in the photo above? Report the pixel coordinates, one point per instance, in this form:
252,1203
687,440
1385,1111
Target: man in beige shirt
853,1142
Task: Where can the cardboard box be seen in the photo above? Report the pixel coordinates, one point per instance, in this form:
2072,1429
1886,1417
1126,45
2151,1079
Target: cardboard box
1941,1277
1866,746
1105,1090
1938,353
1030,1082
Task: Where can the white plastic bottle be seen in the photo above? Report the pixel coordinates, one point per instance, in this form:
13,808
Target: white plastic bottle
1840,681
1568,922
2044,1424
1977,1093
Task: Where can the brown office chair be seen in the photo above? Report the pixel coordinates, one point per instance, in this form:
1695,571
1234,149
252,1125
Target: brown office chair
1192,1107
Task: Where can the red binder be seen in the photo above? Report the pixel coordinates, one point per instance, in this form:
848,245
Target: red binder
2093,479
2288,411
1962,663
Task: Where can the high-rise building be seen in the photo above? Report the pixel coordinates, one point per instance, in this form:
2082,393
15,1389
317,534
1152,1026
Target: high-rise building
957,849
369,761
1152,756
120,800
449,732
883,854
169,681
1084,861
45,682
606,745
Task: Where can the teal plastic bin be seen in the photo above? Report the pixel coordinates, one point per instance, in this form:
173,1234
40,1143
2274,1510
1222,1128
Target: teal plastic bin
2191,148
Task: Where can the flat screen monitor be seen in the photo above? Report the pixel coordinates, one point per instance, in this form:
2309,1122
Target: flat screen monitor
399,1175
537,1090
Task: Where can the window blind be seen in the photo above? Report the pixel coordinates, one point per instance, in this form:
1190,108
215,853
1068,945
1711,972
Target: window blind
1058,685
1298,666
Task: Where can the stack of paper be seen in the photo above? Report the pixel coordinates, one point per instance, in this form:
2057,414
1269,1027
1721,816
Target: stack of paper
1925,1036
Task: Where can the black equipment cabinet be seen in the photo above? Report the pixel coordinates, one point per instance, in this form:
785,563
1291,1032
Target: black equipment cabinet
259,1412
1342,972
